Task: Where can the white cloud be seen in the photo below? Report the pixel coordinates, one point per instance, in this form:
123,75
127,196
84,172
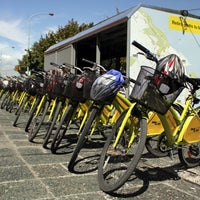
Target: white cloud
49,29
13,33
8,60
13,30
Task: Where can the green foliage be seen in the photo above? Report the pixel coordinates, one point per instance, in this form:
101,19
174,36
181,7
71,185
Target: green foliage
34,58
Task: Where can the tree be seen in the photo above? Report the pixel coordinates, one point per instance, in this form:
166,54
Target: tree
34,58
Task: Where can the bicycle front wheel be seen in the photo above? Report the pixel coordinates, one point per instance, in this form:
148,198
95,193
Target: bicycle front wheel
119,159
48,135
37,122
20,111
83,137
190,155
60,133
32,114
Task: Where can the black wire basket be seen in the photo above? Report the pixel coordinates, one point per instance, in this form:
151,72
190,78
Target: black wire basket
11,85
152,96
77,88
67,85
19,86
56,85
90,77
30,86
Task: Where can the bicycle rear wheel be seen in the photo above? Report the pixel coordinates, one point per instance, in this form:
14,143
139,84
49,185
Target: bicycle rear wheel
37,122
118,163
5,100
20,110
53,123
190,155
32,113
157,145
60,132
83,137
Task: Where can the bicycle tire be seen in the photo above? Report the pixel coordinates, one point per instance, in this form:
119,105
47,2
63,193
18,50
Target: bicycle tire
18,107
11,106
20,110
82,137
157,145
49,132
32,114
59,132
14,102
155,141
9,103
4,101
37,122
189,155
2,93
118,156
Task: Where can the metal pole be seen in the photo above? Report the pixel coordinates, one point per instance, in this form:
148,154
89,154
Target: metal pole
29,33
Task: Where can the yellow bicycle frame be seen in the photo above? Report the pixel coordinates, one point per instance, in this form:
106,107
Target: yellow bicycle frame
186,128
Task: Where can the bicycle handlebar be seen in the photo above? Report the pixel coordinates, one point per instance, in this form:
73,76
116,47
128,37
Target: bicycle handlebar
148,54
194,81
38,72
54,64
90,68
127,81
95,64
65,65
57,65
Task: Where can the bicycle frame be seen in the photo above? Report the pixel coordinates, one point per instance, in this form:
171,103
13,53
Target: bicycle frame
84,110
123,104
183,129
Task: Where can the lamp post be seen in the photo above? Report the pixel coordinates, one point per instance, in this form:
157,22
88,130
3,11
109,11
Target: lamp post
29,33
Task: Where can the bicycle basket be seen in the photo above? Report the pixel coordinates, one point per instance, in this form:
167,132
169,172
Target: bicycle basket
150,95
30,86
41,86
67,85
77,88
19,86
54,86
90,77
11,85
57,86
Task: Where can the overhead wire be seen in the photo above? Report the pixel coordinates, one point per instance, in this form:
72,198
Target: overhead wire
185,25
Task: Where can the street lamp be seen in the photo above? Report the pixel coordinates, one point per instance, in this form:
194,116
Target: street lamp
29,33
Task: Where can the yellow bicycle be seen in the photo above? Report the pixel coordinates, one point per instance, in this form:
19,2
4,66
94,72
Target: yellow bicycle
124,147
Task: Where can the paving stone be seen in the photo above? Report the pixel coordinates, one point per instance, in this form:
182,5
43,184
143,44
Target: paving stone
72,185
11,161
26,190
50,170
15,173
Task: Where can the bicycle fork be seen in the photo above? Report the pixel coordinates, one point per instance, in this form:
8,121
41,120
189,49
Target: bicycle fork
119,134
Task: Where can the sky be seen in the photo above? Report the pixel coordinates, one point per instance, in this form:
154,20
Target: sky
23,22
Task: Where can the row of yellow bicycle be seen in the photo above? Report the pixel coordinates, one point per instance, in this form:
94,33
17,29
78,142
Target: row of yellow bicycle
97,102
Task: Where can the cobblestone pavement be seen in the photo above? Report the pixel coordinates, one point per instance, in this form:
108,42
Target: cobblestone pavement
28,171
